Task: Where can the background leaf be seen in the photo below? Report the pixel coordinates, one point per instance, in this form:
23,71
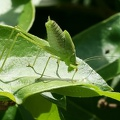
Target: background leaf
15,12
101,40
34,104
45,2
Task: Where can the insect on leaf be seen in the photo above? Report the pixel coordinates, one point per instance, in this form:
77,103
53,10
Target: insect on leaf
61,44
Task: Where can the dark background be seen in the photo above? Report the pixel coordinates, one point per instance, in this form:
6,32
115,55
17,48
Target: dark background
74,17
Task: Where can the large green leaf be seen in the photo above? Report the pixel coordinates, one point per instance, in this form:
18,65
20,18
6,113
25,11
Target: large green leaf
17,12
22,81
